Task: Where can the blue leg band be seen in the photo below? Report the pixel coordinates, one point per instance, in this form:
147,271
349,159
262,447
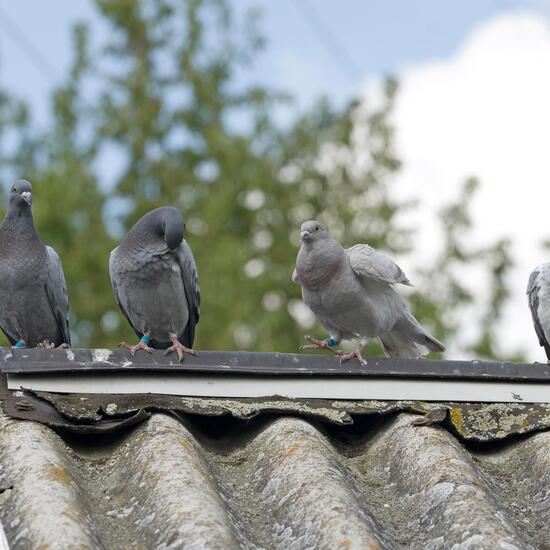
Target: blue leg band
19,345
145,339
331,342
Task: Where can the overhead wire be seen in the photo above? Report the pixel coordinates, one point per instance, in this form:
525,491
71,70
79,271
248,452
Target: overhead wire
328,39
27,46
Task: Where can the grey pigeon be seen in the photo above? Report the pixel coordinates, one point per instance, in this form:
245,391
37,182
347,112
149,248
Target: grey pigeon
155,282
350,292
538,295
34,309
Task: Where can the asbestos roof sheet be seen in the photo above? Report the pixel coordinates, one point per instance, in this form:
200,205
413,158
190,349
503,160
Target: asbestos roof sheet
275,482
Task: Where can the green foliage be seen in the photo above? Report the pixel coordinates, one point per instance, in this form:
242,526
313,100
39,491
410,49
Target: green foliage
163,102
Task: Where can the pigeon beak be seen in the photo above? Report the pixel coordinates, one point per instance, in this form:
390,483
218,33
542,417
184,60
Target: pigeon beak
304,235
27,197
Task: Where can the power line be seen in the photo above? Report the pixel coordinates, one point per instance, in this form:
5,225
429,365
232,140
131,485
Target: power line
328,39
27,46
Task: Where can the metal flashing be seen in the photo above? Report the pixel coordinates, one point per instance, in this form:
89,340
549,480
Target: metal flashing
262,364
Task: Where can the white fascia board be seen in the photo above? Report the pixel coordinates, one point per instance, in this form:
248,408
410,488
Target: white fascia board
293,387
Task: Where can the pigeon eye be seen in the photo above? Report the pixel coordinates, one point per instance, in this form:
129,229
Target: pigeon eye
14,190
316,228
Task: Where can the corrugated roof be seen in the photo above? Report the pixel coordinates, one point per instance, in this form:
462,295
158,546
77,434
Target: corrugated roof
274,483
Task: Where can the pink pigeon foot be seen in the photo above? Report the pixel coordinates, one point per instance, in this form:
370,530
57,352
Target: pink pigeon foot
142,344
347,355
47,345
179,348
316,344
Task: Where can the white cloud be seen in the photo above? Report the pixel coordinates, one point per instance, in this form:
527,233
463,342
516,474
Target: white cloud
485,112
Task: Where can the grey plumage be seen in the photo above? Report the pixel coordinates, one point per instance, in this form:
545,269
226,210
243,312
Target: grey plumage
538,297
369,263
155,279
33,293
350,292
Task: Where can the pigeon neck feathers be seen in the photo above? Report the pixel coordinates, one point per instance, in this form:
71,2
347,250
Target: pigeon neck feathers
16,210
163,224
319,261
19,221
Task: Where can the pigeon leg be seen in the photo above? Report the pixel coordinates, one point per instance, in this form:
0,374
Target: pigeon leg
179,348
347,355
319,344
142,344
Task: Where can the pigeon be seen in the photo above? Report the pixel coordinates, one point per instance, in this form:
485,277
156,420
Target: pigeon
155,282
350,292
538,295
34,308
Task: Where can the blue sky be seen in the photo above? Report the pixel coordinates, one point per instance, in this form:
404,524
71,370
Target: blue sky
378,37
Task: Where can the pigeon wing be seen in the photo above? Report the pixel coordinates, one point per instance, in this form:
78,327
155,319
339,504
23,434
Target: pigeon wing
533,288
190,279
115,283
56,290
369,263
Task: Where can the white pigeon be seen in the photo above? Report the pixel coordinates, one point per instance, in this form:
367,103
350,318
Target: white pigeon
350,292
538,294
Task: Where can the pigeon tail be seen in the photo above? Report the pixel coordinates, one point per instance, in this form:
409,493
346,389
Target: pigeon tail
409,339
433,344
396,344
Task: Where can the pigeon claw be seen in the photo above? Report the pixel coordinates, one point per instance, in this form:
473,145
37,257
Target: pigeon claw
180,349
140,345
315,344
45,344
347,355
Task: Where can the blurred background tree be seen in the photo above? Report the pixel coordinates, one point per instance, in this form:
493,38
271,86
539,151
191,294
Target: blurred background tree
155,116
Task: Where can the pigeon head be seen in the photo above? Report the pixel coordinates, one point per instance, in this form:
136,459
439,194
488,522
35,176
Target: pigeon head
312,231
21,194
173,227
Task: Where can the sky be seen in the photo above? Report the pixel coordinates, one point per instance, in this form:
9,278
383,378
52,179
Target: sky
474,100
362,40
484,111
